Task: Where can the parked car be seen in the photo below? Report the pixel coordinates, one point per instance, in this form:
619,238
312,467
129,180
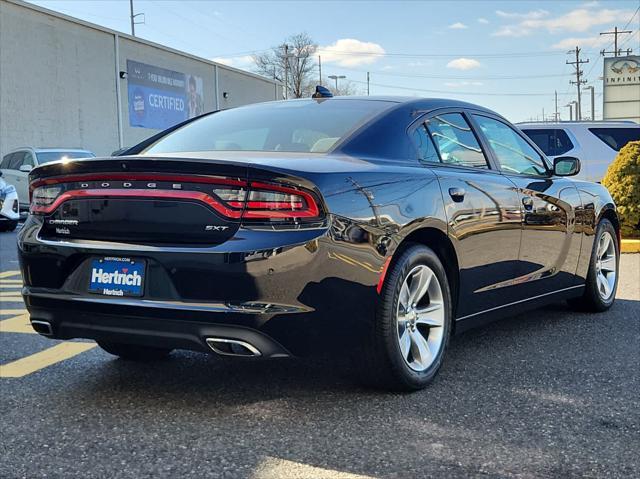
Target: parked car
9,214
17,164
596,144
369,227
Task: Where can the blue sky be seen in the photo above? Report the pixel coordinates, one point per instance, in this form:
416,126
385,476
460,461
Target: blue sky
506,55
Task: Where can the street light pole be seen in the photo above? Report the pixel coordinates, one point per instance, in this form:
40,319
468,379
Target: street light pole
133,23
593,101
336,78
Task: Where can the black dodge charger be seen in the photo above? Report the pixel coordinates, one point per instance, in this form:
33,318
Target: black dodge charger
373,228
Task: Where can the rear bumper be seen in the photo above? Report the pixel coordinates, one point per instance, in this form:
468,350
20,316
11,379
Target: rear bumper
287,293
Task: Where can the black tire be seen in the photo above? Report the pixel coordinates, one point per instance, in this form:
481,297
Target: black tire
592,300
8,225
132,352
384,365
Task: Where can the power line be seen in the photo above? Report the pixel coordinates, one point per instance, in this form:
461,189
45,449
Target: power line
453,77
579,81
447,92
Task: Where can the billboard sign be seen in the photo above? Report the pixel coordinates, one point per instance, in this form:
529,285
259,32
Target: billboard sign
160,98
621,92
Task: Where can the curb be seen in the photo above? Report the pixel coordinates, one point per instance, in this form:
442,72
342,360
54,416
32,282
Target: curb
630,246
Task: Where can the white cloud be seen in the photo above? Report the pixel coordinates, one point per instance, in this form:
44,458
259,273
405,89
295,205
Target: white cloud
458,26
348,52
243,62
532,15
463,64
578,20
483,20
592,4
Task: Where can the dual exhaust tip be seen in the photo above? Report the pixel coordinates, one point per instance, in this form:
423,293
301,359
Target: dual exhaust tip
233,347
222,346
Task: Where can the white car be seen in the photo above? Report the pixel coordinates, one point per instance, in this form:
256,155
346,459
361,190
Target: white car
594,143
9,214
17,164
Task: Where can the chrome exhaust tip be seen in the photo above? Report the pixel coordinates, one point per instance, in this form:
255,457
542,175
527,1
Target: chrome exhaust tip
42,327
233,347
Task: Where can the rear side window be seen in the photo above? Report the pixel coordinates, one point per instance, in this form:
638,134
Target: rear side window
455,141
616,138
424,145
553,141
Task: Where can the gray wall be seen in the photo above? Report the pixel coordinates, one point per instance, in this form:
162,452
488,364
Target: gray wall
58,81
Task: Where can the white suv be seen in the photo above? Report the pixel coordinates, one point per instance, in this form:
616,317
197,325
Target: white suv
595,143
17,164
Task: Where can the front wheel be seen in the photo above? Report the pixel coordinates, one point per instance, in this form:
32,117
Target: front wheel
413,322
132,352
602,278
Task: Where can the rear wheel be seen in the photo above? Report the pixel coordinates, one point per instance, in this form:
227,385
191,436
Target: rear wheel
602,278
413,322
134,353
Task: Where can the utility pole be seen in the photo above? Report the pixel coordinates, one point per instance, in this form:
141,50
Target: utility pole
368,83
593,101
320,69
557,114
579,81
133,18
286,71
615,34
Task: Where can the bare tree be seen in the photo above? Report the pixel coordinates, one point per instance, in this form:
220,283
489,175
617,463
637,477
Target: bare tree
295,59
347,88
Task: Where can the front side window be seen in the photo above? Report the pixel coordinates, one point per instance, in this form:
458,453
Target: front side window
552,141
616,138
296,126
455,141
5,161
17,159
513,153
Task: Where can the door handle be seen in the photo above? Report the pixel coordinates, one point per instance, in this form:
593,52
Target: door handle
457,194
527,202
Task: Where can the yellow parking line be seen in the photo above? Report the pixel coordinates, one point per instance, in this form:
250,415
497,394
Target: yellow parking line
4,294
10,281
11,299
17,324
7,274
41,360
6,312
11,286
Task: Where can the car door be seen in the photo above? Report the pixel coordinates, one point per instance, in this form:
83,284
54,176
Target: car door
551,243
481,205
7,173
21,178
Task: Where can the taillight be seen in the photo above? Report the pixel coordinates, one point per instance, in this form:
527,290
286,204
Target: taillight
43,197
232,198
267,201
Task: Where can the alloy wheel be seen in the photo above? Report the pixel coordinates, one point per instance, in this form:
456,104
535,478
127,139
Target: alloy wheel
606,267
420,316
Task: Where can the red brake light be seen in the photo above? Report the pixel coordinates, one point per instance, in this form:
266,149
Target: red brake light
229,197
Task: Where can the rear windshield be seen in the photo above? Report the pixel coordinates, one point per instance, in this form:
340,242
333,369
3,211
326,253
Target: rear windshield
48,156
553,141
616,138
293,126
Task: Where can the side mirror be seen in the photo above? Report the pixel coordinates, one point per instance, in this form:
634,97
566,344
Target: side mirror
26,168
566,166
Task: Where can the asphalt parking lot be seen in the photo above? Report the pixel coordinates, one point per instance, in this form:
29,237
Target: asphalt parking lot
552,393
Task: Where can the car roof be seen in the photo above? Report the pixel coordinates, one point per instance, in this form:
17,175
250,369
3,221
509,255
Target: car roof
419,102
597,124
